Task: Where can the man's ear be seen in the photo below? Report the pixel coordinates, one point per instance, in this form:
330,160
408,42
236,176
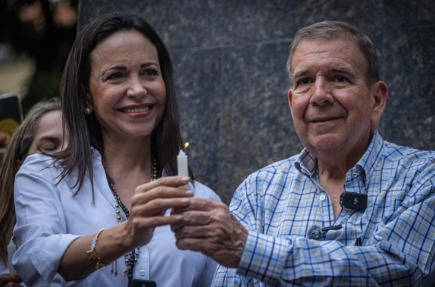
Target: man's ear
380,95
290,95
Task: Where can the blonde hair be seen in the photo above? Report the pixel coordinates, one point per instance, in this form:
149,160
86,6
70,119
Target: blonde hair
16,153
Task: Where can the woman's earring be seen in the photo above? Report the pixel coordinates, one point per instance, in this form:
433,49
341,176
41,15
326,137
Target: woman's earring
87,111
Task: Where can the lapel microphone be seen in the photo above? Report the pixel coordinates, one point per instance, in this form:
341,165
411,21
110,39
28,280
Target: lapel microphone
319,233
354,200
349,200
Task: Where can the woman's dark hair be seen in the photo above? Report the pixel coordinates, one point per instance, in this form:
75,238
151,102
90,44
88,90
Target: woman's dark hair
85,130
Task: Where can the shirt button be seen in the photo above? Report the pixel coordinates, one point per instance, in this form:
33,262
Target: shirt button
142,273
322,197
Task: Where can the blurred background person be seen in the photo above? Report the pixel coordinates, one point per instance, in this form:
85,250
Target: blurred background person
41,131
3,144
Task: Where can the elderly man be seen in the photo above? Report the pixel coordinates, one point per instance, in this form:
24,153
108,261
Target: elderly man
350,209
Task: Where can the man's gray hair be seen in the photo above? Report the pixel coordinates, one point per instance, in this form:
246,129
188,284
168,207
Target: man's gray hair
331,30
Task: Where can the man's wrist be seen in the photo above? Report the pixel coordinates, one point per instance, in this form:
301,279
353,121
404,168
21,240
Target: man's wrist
263,257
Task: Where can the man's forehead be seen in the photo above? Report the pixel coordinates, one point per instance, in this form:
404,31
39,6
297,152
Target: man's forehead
337,53
319,43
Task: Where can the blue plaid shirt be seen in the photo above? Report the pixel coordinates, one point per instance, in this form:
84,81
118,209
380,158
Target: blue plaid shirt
390,244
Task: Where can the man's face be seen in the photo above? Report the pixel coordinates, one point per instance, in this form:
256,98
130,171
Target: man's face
332,106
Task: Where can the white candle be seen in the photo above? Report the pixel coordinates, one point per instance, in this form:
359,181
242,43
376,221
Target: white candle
182,165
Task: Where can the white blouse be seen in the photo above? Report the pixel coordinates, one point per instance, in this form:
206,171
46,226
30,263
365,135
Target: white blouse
49,218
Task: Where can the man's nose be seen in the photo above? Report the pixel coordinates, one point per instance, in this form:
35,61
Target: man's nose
321,94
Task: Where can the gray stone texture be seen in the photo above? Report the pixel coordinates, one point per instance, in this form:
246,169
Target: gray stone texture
229,58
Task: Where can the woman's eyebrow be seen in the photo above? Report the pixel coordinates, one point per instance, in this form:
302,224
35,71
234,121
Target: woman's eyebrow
114,68
149,64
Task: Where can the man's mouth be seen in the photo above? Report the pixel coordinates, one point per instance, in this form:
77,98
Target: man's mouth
320,120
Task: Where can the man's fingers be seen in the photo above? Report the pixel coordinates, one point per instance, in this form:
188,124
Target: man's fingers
146,222
201,204
201,212
191,218
192,232
209,227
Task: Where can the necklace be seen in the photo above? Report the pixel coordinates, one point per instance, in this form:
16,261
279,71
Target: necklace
130,258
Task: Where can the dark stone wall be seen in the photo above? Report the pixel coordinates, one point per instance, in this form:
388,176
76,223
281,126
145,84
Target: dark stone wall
230,57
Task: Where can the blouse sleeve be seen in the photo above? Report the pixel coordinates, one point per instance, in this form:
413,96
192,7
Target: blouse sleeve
40,231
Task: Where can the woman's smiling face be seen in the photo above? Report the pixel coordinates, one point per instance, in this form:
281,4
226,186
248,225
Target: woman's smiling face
127,90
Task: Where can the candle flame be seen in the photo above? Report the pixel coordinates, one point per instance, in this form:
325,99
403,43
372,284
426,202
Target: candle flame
186,145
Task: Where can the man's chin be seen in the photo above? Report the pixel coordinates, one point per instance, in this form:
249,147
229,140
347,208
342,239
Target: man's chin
325,142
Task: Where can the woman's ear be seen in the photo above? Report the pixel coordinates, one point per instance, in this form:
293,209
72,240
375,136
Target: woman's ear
88,106
88,96
88,102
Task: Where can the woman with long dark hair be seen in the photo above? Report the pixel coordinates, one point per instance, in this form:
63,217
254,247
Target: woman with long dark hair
98,214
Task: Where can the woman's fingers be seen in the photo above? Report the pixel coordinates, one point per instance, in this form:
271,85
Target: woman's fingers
142,197
166,187
143,226
9,279
174,181
150,203
158,206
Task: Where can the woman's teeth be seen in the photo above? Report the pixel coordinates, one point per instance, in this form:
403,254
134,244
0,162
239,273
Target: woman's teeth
136,110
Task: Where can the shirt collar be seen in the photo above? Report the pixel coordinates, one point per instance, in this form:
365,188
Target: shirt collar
372,153
306,163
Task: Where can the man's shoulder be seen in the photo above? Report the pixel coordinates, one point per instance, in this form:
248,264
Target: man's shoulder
396,153
278,168
407,162
271,180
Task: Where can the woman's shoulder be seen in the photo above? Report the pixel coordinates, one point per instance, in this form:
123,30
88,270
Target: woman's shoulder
44,165
204,191
38,163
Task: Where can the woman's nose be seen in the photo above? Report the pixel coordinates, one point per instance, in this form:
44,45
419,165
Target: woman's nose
136,89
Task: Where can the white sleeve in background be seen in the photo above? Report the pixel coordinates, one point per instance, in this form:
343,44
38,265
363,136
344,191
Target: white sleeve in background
40,228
